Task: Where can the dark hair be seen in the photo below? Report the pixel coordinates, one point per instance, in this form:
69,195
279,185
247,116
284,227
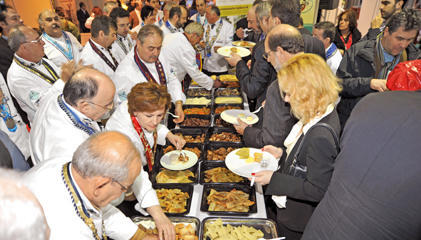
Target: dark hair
118,12
3,10
409,19
288,11
146,12
328,28
147,30
352,18
215,9
78,86
175,11
81,4
16,37
101,23
291,42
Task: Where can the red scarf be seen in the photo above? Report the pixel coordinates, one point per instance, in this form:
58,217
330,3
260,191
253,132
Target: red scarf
149,153
347,41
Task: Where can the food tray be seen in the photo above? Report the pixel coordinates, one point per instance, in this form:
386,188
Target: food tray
228,92
200,105
219,122
198,92
206,117
210,165
157,170
229,84
195,106
267,226
188,145
183,187
228,98
240,106
221,130
216,145
189,220
228,187
191,132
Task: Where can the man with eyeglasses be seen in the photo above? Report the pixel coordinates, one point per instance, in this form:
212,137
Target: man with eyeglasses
60,46
124,42
31,77
96,50
66,119
76,193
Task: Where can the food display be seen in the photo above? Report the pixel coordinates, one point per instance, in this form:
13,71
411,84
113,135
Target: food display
245,44
233,50
228,92
231,84
183,230
221,123
220,109
228,100
225,137
198,92
198,111
218,231
168,176
244,153
219,154
228,78
192,149
221,175
172,200
197,101
196,122
192,139
232,201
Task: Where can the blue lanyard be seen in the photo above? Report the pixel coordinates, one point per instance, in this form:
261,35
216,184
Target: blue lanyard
198,19
74,118
331,51
69,53
5,114
167,24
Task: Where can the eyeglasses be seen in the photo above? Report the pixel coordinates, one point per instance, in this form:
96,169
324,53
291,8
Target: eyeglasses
107,107
123,188
50,19
38,40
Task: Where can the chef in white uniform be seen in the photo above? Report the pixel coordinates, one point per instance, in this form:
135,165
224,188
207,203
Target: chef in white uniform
96,50
76,195
60,46
218,33
200,16
124,42
30,77
11,122
178,51
176,21
144,64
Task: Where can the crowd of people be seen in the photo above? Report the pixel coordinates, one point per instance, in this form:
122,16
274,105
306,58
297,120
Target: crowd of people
81,122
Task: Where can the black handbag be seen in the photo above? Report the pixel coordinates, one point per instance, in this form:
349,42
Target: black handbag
299,169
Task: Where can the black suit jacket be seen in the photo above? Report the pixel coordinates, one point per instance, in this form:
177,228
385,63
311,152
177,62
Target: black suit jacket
374,191
318,152
82,17
6,57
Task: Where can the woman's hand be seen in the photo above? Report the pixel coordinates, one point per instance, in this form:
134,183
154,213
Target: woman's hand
240,126
175,140
275,151
166,229
263,177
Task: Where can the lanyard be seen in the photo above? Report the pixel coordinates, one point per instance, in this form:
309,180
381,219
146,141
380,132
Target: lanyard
40,74
103,57
198,19
123,46
67,53
331,51
78,203
172,30
145,71
148,150
209,45
6,114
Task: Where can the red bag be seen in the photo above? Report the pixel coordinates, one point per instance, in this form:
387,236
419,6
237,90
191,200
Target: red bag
406,76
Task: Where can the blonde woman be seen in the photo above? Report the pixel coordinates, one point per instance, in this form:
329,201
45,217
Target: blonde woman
307,83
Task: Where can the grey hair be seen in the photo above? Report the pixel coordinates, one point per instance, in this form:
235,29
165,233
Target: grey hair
194,28
90,161
16,204
147,30
263,10
16,38
328,28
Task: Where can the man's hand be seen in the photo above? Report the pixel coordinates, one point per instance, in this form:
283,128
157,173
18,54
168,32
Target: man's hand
166,229
378,85
175,140
217,84
133,35
249,64
202,44
240,33
215,49
241,126
179,112
234,59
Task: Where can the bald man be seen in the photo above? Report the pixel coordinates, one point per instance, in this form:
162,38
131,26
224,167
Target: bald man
65,120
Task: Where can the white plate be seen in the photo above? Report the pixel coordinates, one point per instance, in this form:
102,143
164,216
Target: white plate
226,51
244,169
231,116
245,44
169,160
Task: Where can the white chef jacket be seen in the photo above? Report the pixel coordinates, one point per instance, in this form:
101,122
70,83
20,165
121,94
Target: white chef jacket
118,51
89,56
128,74
180,54
334,60
167,29
55,55
53,134
46,183
202,19
216,62
160,18
28,88
21,136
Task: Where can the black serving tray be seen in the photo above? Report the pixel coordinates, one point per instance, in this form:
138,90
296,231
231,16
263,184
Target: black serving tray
222,123
216,145
183,187
221,130
207,117
192,91
191,132
187,220
210,165
155,172
204,206
198,106
241,106
220,92
242,100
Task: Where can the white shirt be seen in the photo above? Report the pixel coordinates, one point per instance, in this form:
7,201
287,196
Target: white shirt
21,136
46,183
128,74
89,56
197,16
180,54
53,134
334,60
28,88
167,28
160,18
121,45
55,55
216,62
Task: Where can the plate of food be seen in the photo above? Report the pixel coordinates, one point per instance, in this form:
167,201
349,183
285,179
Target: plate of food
246,44
245,161
245,116
179,160
227,50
